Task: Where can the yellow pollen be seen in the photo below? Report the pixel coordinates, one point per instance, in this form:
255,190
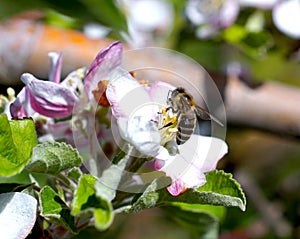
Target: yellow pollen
80,73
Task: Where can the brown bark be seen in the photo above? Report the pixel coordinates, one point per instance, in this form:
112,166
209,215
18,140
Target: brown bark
25,45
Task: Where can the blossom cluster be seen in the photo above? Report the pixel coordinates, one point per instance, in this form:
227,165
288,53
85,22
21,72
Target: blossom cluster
139,123
212,16
148,19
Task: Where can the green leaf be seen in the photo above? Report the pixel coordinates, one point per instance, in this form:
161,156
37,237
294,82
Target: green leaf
206,53
54,209
216,211
220,189
9,8
150,198
106,12
86,201
53,158
223,190
199,219
74,173
253,43
17,139
57,19
84,190
81,11
234,33
108,183
200,223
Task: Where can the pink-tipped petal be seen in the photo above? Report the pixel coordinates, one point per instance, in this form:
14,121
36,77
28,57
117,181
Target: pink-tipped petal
106,60
177,187
198,155
49,98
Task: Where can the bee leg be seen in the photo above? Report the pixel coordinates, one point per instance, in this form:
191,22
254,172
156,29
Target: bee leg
166,125
164,110
172,121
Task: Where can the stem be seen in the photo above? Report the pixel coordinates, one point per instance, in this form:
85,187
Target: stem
66,181
122,209
120,155
136,164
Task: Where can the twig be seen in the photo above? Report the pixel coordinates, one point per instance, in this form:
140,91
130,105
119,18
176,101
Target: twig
272,217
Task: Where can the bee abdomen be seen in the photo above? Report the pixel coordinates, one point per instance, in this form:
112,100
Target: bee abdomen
186,127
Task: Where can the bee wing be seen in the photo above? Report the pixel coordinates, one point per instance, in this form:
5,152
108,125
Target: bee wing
203,114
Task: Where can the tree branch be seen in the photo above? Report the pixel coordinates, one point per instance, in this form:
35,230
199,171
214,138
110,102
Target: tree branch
271,106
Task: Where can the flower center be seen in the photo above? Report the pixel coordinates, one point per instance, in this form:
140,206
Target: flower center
167,125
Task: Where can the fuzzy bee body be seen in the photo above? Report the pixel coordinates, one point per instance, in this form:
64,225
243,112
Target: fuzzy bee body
186,127
182,104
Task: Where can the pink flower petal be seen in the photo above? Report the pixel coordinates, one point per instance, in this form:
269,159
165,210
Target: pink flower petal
177,187
106,60
20,108
49,98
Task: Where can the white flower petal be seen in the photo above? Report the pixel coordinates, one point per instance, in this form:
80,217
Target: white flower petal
286,17
229,12
210,151
142,133
95,30
18,214
159,92
193,14
125,94
149,15
55,69
147,20
215,13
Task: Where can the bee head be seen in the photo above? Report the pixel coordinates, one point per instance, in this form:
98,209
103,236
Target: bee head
180,90
174,93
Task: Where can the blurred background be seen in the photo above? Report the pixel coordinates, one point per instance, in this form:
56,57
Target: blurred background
255,43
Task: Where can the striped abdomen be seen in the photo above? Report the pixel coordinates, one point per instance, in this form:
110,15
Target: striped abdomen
186,126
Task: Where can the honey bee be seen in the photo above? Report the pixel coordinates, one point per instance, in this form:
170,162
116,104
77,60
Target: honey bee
183,106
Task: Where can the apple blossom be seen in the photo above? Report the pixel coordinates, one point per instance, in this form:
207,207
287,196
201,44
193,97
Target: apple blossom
48,98
136,107
286,17
211,16
149,21
285,14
